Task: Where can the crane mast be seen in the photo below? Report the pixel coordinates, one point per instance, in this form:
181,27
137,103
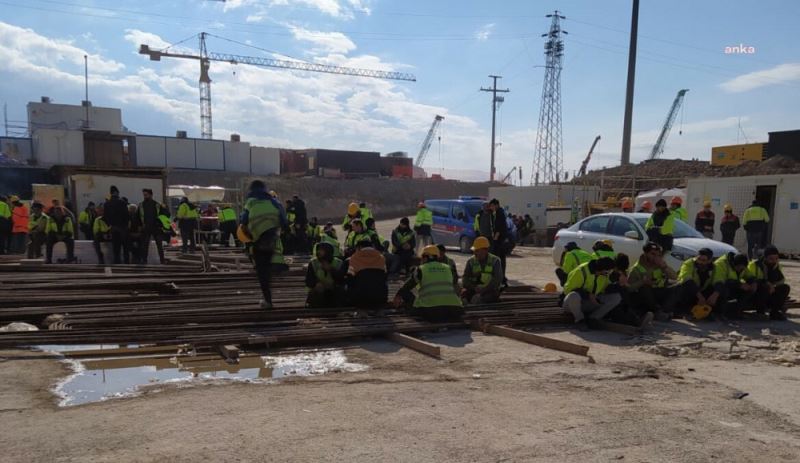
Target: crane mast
426,144
658,148
205,58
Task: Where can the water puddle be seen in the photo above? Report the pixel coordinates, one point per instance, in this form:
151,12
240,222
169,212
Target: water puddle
103,378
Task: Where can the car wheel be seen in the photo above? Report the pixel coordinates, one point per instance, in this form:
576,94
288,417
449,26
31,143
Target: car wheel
464,245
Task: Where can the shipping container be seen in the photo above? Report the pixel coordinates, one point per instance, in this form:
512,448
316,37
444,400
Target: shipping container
85,184
351,163
733,155
779,194
786,143
18,181
535,200
294,163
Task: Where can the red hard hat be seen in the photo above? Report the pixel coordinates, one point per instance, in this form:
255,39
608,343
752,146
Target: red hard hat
676,200
647,205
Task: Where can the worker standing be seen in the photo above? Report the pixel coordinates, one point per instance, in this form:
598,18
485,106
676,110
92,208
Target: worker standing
227,223
660,226
5,225
86,220
676,207
404,244
188,215
60,228
585,292
152,225
423,223
261,222
704,221
117,217
483,275
729,225
37,226
483,224
436,300
19,225
500,234
755,222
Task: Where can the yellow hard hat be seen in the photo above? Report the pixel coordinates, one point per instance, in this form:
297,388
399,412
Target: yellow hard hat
706,203
728,207
431,250
550,288
480,243
13,198
352,208
701,311
242,236
273,193
608,242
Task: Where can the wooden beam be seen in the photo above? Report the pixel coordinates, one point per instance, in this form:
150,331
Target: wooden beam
122,351
416,344
619,328
229,351
541,341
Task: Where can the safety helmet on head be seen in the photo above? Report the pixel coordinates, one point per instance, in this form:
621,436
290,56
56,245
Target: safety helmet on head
352,208
647,205
480,243
627,204
273,194
706,203
676,200
13,198
701,311
728,208
431,250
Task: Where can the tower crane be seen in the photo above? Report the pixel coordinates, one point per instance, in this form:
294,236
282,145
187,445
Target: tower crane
205,58
658,148
426,144
585,162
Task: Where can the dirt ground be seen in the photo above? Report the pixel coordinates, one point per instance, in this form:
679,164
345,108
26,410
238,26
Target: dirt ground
671,395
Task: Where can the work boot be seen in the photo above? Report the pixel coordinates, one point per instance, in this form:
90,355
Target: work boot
663,316
777,315
266,305
582,326
647,320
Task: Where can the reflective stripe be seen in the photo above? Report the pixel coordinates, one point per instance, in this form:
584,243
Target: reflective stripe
64,229
486,271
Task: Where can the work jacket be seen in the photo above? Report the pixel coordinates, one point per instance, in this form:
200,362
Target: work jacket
435,286
365,213
100,227
489,274
639,272
758,269
572,259
755,219
725,272
704,221
424,217
64,229
484,224
585,282
401,236
353,238
226,215
603,253
313,232
664,224
325,238
5,210
38,224
148,213
317,274
20,219
729,224
262,215
186,212
349,218
680,213
689,271
86,218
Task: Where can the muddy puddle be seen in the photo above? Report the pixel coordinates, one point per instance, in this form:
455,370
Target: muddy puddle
102,378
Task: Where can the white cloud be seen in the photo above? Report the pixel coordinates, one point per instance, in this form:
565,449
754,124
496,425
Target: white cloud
484,32
325,42
137,37
780,74
255,18
340,9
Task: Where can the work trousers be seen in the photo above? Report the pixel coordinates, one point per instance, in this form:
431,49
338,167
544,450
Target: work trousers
401,260
728,238
98,249
755,242
650,299
5,235
498,248
263,250
733,299
438,314
226,230
187,228
52,239
18,243
154,233
423,240
581,307
86,229
35,245
687,296
119,244
775,302
325,298
470,296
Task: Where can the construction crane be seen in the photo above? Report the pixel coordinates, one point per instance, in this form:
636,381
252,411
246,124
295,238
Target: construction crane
426,144
205,58
658,148
509,174
585,162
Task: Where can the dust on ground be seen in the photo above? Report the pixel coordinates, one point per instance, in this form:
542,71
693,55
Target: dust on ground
488,399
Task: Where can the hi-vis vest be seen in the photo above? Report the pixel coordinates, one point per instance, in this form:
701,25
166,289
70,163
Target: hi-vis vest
226,215
100,227
574,258
65,229
657,275
354,238
424,217
37,224
436,286
185,212
483,273
324,277
263,216
166,224
325,238
583,279
403,238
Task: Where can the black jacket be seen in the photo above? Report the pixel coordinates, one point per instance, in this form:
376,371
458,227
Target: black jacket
148,211
499,224
116,212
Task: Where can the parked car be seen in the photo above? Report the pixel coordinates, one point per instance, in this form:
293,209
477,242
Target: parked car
453,221
626,230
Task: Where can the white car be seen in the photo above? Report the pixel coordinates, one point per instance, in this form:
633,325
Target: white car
626,230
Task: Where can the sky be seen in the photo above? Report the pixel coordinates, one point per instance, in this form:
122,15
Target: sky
450,46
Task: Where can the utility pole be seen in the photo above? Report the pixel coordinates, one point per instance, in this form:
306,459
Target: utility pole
626,128
495,100
86,83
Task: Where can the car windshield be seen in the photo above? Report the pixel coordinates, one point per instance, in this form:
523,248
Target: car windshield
473,208
682,230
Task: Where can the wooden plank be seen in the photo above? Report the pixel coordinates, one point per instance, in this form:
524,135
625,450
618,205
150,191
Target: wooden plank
619,328
416,344
229,351
144,350
541,341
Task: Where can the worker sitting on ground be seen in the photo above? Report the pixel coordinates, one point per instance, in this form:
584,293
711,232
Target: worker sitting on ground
585,292
353,212
647,207
366,214
37,226
313,231
325,278
648,284
436,300
377,240
101,232
366,277
736,289
443,258
603,248
571,258
660,226
86,220
59,228
695,283
226,215
677,209
328,235
772,290
356,234
423,223
704,221
483,275
404,243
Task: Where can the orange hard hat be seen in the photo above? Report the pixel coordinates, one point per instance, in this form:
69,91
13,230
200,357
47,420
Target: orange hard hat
550,288
627,204
676,200
647,205
242,236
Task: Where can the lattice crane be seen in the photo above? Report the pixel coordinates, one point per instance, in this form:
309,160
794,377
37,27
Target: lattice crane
658,148
426,144
585,162
510,173
205,57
